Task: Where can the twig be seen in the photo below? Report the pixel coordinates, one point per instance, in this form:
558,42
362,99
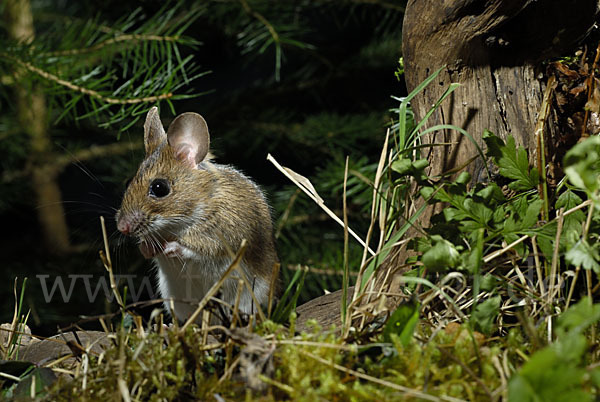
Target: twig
10,377
85,91
281,386
112,41
262,19
572,288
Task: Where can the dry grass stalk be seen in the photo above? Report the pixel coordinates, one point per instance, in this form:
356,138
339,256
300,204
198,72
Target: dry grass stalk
346,279
375,208
554,267
277,384
273,285
106,261
318,271
305,185
538,266
205,325
6,351
250,289
214,288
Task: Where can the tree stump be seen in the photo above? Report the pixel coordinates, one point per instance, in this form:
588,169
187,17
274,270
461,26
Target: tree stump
494,50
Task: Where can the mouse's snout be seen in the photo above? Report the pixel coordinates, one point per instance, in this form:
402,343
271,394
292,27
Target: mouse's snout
128,223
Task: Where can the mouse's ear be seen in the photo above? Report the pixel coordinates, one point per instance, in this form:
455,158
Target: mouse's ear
189,138
154,133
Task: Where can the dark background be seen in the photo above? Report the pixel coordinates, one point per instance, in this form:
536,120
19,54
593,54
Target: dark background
332,100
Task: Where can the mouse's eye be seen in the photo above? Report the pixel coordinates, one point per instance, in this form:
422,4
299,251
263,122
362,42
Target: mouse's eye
159,188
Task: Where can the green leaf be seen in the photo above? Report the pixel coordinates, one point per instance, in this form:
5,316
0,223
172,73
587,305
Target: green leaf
520,248
573,223
556,373
595,376
567,200
585,255
480,212
44,377
489,282
485,314
545,378
512,161
463,178
420,164
442,256
405,166
530,218
491,192
401,166
582,165
426,192
402,323
579,317
285,307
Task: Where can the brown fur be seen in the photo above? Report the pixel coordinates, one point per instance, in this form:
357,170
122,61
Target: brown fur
209,209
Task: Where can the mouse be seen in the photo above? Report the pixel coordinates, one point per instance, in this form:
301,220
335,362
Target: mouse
188,215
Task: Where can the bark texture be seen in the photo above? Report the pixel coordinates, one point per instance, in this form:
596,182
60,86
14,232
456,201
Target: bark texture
494,49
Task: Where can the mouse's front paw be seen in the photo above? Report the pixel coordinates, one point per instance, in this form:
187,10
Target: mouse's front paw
173,249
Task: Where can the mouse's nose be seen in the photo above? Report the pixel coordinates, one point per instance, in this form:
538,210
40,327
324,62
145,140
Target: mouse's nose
128,223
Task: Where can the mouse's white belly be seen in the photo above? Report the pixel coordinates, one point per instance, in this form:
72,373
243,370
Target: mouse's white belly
187,281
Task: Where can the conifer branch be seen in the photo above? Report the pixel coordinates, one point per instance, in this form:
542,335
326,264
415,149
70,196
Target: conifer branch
262,19
121,38
86,91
